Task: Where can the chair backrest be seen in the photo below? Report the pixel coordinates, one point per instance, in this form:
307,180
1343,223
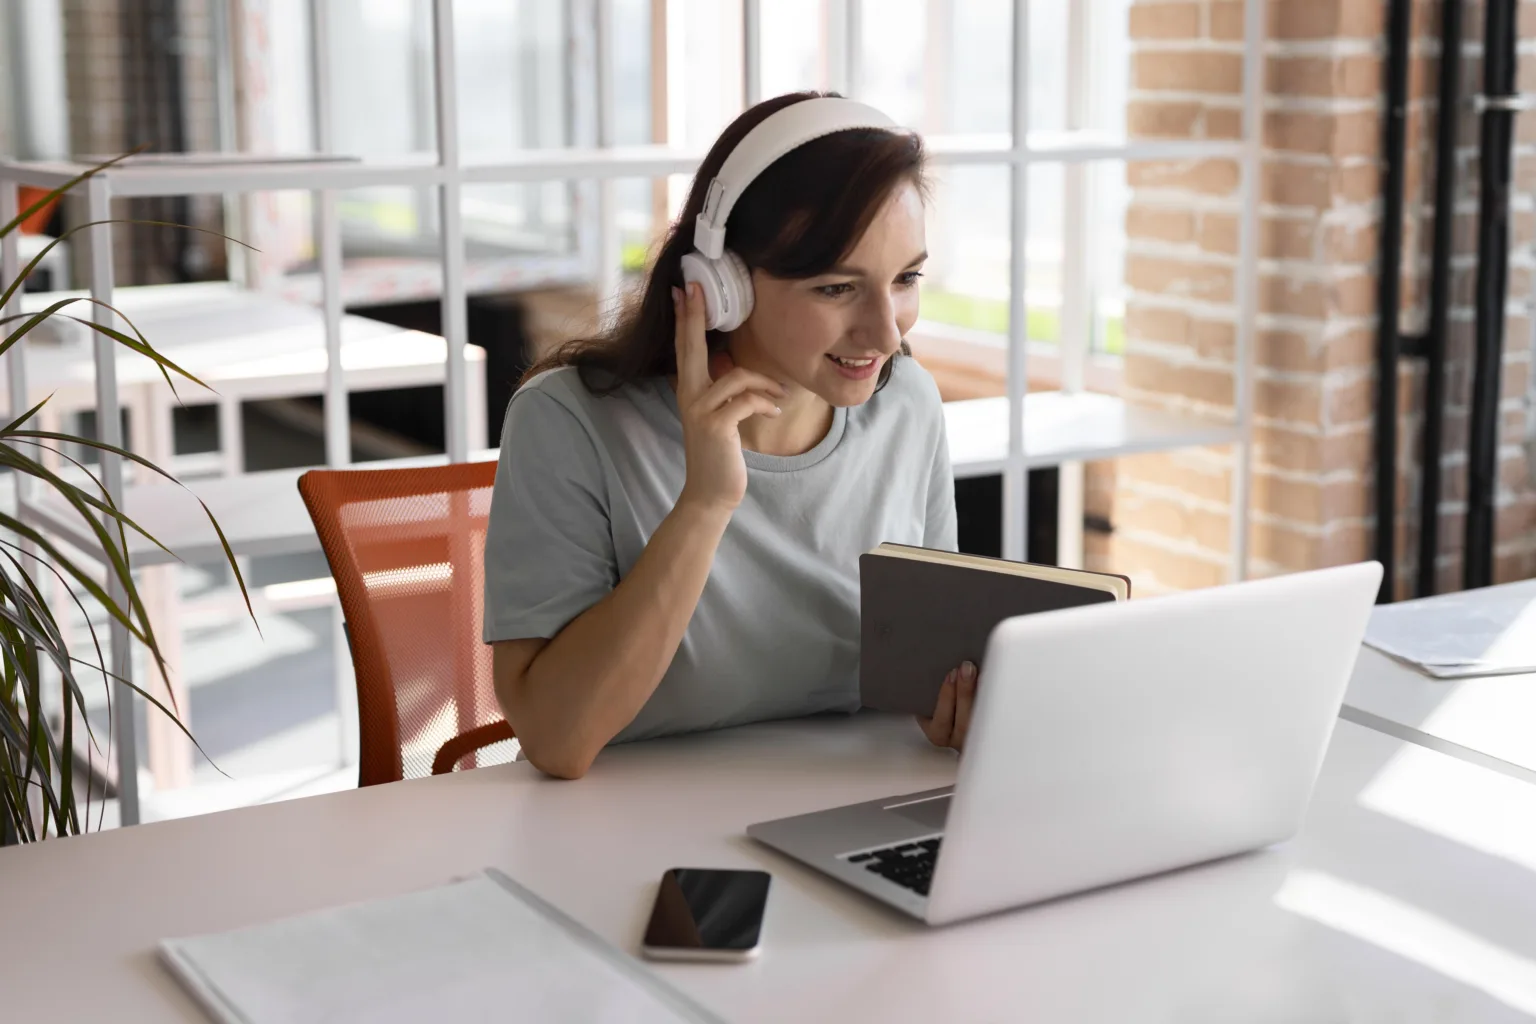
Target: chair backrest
405,547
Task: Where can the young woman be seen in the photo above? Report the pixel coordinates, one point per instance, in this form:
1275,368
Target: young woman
679,510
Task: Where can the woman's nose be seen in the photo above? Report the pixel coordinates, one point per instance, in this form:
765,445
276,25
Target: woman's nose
879,325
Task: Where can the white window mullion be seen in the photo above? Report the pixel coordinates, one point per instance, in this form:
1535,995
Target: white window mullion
1247,285
1075,316
836,44
1015,471
338,443
853,44
10,269
451,227
751,52
109,430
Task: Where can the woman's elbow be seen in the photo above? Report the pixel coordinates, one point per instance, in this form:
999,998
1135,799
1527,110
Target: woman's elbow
560,760
549,746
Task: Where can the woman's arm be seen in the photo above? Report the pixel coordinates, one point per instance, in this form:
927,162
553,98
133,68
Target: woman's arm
568,696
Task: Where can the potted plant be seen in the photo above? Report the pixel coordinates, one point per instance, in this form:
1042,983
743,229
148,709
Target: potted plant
38,776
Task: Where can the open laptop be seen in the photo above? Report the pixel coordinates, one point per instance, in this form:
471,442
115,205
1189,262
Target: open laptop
1110,742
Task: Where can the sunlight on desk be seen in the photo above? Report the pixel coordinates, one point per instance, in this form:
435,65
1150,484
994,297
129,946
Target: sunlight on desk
1502,717
1517,643
1412,933
1459,801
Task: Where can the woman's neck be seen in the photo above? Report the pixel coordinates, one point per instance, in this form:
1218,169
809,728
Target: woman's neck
800,427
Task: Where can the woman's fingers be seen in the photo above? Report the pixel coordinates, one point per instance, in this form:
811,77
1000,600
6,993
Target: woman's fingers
939,727
736,382
951,719
743,406
692,352
965,699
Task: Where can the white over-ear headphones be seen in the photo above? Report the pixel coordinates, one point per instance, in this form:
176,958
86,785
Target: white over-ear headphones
722,276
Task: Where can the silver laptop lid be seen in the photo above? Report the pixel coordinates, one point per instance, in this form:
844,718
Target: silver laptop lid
1114,741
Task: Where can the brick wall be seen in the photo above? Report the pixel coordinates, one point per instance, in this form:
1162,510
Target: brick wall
1314,367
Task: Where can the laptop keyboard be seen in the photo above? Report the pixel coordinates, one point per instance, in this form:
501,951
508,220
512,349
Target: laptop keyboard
906,864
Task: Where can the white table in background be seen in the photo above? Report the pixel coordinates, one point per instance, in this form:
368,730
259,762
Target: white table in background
260,513
246,345
1409,896
1490,720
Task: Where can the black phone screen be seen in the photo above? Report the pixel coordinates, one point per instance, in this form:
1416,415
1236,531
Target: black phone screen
703,908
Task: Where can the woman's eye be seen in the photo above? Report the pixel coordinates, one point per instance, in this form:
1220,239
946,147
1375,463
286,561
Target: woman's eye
909,278
832,291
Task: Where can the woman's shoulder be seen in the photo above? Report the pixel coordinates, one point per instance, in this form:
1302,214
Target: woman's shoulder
564,399
561,384
584,395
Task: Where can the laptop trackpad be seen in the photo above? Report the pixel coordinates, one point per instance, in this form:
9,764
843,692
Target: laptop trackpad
930,812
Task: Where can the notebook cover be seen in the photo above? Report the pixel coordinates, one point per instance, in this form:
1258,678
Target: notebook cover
467,950
920,619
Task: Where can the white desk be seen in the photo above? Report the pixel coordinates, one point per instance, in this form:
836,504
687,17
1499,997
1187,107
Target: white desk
1414,860
1490,720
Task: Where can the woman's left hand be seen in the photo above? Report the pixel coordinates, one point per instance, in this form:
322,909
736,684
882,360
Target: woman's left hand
952,715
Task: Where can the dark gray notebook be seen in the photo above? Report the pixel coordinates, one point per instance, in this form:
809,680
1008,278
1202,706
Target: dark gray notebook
924,612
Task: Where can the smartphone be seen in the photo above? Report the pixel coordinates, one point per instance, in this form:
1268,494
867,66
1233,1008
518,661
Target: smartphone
706,914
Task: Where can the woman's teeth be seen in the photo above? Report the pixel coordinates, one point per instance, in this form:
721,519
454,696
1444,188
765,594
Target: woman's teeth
851,363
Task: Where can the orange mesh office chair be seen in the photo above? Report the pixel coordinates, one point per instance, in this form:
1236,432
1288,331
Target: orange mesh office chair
405,547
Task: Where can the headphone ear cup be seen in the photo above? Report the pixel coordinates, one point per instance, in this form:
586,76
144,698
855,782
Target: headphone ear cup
737,278
698,269
727,287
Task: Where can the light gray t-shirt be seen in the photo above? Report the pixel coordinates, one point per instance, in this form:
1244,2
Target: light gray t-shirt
584,481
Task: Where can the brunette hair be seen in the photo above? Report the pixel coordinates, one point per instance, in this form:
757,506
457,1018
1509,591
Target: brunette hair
795,220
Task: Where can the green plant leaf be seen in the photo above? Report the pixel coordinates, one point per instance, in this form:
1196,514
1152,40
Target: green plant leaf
37,757
100,665
16,423
38,634
115,551
146,637
91,587
104,504
139,460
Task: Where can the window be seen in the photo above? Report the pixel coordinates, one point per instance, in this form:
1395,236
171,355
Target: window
352,86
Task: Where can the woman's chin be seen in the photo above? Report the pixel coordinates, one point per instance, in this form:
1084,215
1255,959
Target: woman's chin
842,394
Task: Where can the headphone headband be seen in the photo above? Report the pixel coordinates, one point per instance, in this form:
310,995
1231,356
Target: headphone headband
776,135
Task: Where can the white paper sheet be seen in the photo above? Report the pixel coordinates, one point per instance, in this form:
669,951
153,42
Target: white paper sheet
484,949
1489,631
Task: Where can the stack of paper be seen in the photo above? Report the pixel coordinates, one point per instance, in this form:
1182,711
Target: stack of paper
1490,631
484,949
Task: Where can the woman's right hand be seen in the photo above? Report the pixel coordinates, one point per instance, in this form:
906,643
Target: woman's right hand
712,411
